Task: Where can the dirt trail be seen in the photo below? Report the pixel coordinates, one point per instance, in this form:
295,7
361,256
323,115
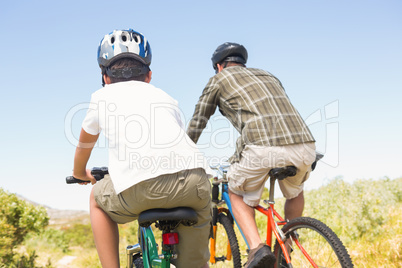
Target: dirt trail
65,261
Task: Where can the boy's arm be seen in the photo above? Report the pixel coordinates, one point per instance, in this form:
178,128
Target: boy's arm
82,153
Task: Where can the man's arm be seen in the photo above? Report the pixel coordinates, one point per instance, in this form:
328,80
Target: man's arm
82,153
204,109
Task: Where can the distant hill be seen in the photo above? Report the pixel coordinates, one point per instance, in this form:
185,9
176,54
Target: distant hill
61,216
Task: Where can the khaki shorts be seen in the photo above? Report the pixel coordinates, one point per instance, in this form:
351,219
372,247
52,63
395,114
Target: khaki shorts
188,188
247,177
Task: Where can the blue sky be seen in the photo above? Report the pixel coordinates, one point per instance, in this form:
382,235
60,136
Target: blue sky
339,61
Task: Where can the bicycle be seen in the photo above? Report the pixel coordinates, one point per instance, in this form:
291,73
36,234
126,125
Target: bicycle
222,216
145,253
311,243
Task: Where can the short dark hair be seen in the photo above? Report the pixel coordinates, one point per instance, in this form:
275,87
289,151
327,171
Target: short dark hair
225,64
128,63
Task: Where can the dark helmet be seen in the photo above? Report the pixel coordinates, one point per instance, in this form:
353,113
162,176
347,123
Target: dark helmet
229,52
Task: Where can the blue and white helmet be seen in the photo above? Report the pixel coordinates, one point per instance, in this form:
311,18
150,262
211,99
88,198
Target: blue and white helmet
124,44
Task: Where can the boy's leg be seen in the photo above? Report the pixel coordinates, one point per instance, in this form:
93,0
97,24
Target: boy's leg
106,235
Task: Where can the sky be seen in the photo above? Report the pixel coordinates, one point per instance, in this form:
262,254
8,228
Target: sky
340,63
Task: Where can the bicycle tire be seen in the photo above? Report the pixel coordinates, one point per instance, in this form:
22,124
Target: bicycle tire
138,263
227,224
148,246
319,241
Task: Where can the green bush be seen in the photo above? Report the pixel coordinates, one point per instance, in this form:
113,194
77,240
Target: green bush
80,235
17,219
354,210
25,261
48,238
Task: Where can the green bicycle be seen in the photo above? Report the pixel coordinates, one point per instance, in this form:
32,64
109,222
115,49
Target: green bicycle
145,253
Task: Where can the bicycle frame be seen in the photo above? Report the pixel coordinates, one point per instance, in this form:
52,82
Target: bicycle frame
225,198
273,226
149,249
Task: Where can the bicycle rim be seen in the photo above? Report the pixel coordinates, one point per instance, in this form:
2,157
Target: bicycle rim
319,242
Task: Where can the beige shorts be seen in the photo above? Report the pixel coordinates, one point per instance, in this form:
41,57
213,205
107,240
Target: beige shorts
247,177
189,188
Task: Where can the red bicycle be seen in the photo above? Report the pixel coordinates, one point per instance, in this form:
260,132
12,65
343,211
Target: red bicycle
303,241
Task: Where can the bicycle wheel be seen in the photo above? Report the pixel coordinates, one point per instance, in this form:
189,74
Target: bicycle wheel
229,235
137,262
318,240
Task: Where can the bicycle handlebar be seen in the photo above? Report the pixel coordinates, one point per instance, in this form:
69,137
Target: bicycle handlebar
221,168
97,172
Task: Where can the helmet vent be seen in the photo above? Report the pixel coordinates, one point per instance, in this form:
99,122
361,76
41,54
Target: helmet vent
124,37
136,38
112,40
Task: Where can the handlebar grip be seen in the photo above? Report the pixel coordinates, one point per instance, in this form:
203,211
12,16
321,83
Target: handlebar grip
71,179
97,172
215,193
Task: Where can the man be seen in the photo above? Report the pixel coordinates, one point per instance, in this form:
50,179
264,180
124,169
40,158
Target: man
152,162
272,134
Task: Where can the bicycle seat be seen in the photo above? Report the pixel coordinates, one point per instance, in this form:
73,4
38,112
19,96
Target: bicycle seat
318,156
172,216
290,171
282,172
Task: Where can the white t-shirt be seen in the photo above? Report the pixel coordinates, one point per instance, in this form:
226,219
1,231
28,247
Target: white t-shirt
145,134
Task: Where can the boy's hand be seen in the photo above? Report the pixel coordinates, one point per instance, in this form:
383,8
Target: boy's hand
85,176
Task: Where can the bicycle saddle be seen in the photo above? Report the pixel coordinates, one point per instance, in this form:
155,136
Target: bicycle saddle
290,171
283,172
184,215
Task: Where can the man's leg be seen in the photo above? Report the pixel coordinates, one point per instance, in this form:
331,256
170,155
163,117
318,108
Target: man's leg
245,218
260,254
294,207
106,235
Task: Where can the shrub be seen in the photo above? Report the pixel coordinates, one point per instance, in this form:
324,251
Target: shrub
80,235
354,210
17,219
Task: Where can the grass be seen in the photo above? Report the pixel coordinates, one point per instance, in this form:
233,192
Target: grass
366,215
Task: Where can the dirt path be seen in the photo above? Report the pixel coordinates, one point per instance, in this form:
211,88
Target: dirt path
65,261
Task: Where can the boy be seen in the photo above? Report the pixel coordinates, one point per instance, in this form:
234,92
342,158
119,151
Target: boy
152,162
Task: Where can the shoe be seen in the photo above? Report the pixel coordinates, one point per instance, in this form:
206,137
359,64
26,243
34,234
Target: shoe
260,257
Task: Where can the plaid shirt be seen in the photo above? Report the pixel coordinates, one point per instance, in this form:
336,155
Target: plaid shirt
255,102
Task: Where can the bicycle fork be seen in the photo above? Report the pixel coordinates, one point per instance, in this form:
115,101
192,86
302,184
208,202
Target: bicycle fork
273,227
213,258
